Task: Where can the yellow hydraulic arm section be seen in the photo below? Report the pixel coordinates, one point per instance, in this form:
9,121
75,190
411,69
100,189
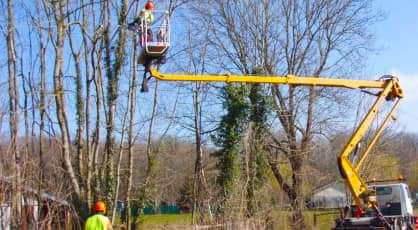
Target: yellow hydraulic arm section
390,90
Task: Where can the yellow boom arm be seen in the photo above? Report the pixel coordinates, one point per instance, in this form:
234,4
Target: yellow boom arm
390,91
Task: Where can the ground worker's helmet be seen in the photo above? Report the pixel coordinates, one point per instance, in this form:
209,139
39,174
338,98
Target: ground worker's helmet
149,5
100,206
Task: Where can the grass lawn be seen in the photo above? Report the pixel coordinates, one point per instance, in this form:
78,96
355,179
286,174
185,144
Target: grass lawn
281,218
324,220
161,221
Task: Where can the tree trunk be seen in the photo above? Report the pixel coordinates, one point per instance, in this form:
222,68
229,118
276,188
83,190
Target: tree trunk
131,140
13,119
152,159
26,93
113,72
118,165
96,170
42,113
107,175
79,105
297,201
88,150
59,95
200,191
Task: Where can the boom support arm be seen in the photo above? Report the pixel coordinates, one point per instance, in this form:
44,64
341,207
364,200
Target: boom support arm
390,91
350,170
271,79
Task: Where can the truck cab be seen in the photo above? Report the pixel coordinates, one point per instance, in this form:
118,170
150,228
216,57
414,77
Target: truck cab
394,203
393,199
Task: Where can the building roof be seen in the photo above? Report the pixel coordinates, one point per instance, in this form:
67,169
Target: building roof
44,195
335,188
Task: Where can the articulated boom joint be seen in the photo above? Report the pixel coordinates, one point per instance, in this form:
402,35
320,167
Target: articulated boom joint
397,91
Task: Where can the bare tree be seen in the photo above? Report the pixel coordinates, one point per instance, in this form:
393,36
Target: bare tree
201,193
79,102
14,117
119,159
98,85
93,172
58,10
88,81
113,71
290,37
131,137
42,109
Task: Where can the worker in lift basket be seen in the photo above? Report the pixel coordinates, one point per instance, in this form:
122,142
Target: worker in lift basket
145,15
98,221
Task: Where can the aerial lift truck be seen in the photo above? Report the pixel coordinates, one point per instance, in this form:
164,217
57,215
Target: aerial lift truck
378,204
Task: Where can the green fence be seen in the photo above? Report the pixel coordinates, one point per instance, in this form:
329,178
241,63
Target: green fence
162,209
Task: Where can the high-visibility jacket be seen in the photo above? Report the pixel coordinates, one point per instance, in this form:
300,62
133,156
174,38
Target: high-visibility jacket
148,16
98,222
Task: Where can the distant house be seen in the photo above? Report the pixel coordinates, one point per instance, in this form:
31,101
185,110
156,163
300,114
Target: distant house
332,195
38,211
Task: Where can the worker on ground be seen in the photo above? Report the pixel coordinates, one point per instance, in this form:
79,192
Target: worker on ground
98,221
145,15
